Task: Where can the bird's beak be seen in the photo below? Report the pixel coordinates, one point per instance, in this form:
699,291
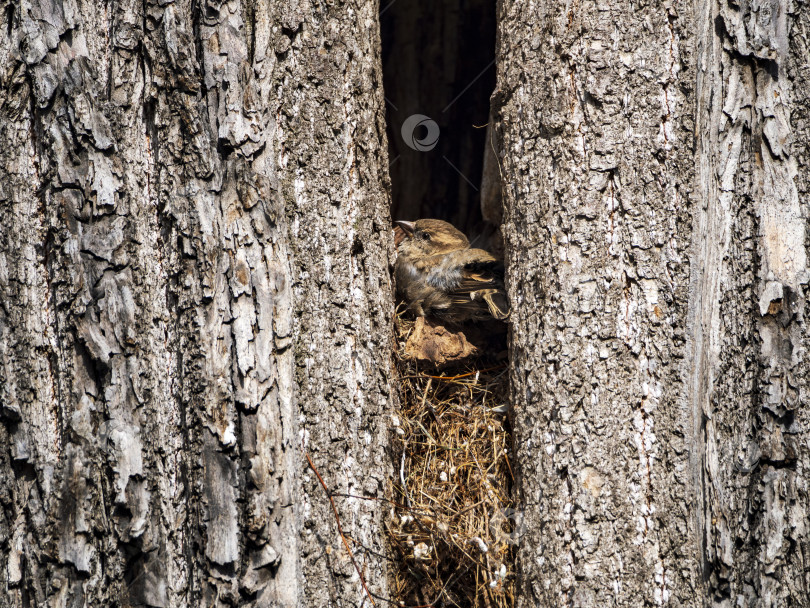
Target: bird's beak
408,227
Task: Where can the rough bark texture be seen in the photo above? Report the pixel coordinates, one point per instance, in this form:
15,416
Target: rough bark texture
194,291
656,262
748,374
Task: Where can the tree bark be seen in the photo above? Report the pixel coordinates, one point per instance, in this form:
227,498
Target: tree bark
195,298
194,293
655,203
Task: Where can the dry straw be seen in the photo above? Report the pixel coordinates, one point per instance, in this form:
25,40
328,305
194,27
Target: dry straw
452,527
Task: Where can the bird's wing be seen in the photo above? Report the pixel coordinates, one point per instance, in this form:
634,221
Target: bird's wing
497,303
481,287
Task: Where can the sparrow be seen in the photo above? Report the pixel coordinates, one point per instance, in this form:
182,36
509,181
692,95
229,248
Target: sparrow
440,275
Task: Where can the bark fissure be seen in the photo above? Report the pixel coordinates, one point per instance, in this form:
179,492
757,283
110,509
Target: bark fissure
150,286
750,215
597,234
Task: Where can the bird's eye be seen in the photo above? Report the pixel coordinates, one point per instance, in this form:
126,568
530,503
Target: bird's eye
425,236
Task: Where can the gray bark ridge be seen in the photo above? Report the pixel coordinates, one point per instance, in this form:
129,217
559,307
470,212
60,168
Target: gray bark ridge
656,262
749,465
194,290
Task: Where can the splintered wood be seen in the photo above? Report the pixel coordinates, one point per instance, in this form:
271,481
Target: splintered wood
452,527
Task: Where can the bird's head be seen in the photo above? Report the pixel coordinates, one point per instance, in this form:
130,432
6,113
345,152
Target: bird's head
425,238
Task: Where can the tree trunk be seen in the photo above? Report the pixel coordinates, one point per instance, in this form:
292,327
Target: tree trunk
194,294
195,297
654,159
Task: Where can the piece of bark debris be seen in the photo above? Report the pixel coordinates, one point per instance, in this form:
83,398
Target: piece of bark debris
436,344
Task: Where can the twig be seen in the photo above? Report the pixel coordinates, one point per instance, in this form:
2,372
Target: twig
451,378
402,475
427,388
340,529
442,590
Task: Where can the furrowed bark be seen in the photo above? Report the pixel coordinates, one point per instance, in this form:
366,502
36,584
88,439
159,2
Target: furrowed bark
749,368
194,291
656,258
195,298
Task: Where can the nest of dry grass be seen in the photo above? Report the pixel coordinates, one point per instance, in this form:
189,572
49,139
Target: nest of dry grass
452,523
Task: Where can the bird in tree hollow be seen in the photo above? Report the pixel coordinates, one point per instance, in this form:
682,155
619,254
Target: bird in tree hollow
440,275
